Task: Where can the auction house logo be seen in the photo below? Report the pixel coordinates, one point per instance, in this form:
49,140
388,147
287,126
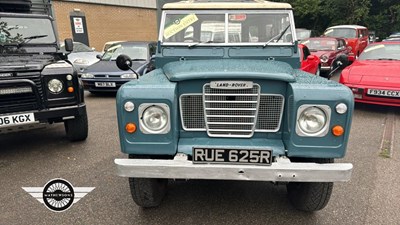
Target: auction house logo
58,195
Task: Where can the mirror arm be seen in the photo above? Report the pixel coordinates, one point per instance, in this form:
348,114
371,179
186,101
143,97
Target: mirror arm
137,75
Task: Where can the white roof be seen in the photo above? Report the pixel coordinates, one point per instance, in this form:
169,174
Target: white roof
347,26
255,4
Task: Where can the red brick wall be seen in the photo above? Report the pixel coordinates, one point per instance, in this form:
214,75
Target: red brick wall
108,23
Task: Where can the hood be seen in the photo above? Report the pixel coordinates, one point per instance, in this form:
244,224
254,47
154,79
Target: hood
110,66
229,68
89,56
375,72
321,53
26,62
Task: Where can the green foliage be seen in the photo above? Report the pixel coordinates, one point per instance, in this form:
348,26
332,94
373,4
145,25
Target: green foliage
6,36
382,16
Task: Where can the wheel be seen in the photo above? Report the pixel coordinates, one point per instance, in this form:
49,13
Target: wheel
148,192
77,129
310,196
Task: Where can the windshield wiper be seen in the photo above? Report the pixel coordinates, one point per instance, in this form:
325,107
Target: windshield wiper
30,38
138,59
277,37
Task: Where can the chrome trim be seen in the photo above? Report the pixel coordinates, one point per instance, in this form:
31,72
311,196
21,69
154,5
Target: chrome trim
324,131
280,171
228,133
228,116
146,130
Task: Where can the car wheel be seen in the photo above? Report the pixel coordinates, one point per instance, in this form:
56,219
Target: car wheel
148,192
310,196
77,129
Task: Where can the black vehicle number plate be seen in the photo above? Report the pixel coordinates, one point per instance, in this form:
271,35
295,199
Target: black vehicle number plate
241,156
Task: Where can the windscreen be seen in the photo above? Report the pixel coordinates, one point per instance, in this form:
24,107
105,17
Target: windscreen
222,27
135,52
18,30
341,33
381,52
321,44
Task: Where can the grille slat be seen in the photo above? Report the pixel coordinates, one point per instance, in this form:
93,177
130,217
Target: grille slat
21,102
231,113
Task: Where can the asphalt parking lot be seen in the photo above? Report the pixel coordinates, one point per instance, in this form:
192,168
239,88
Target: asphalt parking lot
30,159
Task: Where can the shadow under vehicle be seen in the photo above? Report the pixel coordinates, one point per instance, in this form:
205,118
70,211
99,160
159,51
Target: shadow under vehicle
37,85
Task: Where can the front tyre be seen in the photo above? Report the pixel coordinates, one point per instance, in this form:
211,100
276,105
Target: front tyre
148,192
310,196
77,129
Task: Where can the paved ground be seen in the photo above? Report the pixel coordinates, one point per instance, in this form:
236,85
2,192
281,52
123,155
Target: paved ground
32,158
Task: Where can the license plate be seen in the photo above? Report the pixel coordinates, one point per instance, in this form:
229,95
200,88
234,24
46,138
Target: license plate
19,119
386,93
105,84
242,156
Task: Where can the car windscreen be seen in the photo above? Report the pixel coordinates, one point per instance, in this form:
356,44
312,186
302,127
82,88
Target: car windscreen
137,52
341,32
29,30
223,27
320,44
303,34
381,52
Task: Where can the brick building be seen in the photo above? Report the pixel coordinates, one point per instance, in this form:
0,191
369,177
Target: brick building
109,20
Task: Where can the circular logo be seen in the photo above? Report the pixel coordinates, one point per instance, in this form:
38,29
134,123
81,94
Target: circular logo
58,195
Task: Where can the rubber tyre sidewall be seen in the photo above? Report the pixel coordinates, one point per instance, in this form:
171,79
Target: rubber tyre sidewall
148,192
77,129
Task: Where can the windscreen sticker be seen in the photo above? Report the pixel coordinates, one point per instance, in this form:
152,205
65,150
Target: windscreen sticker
374,48
179,25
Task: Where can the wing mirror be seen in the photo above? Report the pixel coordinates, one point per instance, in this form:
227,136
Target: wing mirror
124,62
311,57
69,45
98,56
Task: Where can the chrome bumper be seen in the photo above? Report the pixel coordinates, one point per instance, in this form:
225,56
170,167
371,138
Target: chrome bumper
281,171
325,68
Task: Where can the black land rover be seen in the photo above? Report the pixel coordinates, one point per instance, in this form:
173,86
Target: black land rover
38,85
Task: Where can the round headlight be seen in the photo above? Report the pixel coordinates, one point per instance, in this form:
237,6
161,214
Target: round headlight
155,118
129,106
324,59
341,108
55,86
312,120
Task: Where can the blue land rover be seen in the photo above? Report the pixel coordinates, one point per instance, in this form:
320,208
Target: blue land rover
227,101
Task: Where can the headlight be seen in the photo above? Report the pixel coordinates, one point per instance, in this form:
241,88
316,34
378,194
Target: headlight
81,61
324,59
154,119
55,86
87,75
129,76
313,120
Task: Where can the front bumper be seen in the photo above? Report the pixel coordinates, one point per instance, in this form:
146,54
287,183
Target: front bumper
280,171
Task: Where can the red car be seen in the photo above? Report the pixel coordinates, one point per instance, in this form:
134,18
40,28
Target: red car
309,62
374,77
357,37
329,50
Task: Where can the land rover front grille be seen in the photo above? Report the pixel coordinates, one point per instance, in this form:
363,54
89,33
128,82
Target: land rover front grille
19,102
231,112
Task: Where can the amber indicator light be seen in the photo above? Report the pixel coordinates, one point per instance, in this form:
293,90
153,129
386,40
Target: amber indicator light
130,128
338,130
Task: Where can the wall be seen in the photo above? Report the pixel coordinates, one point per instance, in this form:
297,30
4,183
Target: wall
108,22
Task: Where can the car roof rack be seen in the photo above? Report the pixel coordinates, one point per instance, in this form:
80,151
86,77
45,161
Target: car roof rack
42,7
